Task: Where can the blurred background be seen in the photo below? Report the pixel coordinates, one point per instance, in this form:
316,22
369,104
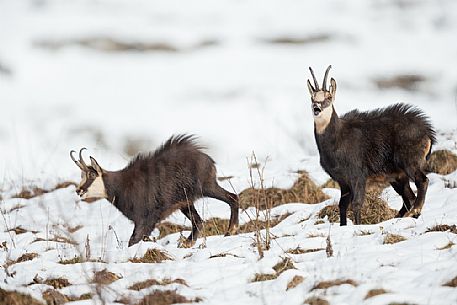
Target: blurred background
121,76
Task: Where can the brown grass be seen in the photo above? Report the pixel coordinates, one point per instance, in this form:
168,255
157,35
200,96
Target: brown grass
35,191
148,283
316,301
152,256
451,283
374,210
26,257
54,297
449,245
293,40
285,264
18,230
374,292
338,282
442,162
393,238
57,283
166,297
373,185
104,277
443,228
75,260
304,190
16,298
295,281
299,250
408,82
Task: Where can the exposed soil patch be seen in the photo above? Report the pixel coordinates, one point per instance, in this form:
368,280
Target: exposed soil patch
104,277
393,238
304,190
285,264
443,228
410,82
374,210
152,256
32,192
442,162
295,281
338,282
16,298
166,297
297,40
114,45
54,297
374,292
316,301
57,283
451,283
151,282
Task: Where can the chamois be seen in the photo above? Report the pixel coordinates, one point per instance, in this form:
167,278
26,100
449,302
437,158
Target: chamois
392,143
154,185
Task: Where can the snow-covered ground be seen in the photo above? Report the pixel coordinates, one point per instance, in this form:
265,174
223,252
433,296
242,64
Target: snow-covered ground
220,75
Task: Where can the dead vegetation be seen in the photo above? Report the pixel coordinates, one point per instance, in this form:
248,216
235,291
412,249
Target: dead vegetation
316,301
57,283
285,264
449,245
374,292
105,277
374,210
75,260
443,228
304,190
451,283
299,250
332,283
393,238
152,256
54,297
16,298
35,191
151,282
296,40
166,297
295,281
442,162
113,45
23,258
408,82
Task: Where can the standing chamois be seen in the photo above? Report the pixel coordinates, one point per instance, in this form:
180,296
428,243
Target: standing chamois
391,143
154,185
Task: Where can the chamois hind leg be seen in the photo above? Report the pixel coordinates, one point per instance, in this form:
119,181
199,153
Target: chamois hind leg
421,182
191,213
358,199
217,192
401,186
345,199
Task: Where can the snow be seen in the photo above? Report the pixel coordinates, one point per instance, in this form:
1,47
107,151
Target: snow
239,95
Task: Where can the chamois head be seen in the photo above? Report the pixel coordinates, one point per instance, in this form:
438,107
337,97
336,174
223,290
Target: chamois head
91,185
322,101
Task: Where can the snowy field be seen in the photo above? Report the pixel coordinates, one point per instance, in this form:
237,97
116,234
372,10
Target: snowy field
121,76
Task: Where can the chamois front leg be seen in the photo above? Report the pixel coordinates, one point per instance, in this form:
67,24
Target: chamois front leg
345,199
358,199
139,232
421,182
191,213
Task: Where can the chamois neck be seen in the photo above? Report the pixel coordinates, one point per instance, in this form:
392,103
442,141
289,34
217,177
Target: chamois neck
327,120
112,181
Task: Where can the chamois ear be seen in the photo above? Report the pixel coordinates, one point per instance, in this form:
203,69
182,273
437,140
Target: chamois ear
333,87
310,88
95,165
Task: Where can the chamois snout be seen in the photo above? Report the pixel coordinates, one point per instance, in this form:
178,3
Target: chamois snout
317,109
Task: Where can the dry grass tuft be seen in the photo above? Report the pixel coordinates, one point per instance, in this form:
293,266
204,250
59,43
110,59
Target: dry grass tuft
279,268
16,298
451,283
443,228
293,40
304,190
35,191
104,277
442,162
152,256
167,228
374,292
18,230
26,257
295,281
316,301
75,260
261,277
374,210
393,238
151,282
338,282
449,245
166,297
54,297
299,250
57,283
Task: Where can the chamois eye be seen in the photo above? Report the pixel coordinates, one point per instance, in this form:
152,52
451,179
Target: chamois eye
92,175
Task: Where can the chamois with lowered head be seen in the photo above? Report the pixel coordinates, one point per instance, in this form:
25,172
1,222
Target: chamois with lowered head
392,143
154,185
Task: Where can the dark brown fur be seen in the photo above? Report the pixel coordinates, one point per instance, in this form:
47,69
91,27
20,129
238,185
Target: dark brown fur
391,143
155,185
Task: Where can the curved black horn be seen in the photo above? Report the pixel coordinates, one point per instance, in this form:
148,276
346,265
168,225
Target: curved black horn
74,160
81,160
324,83
314,78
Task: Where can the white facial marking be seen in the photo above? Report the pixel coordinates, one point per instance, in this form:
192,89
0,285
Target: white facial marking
321,121
96,189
